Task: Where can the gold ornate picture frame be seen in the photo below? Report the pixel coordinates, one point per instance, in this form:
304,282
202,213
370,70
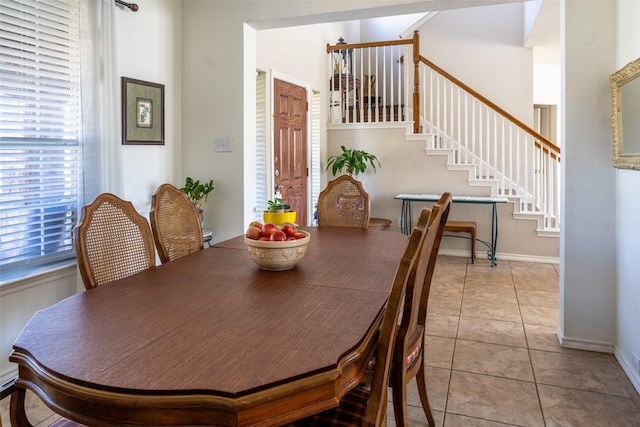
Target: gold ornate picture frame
625,117
142,112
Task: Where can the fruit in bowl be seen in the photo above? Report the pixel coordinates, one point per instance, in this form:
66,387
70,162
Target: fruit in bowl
276,248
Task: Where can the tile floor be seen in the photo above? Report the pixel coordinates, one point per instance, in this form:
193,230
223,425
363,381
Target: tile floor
493,357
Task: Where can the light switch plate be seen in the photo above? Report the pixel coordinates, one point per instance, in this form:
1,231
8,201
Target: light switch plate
222,144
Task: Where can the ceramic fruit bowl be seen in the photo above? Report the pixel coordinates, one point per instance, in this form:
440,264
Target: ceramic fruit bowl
277,256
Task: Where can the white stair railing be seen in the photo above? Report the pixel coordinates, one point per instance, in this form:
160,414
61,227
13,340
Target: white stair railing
371,82
367,82
503,152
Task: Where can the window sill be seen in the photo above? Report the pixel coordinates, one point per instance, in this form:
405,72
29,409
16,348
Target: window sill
32,273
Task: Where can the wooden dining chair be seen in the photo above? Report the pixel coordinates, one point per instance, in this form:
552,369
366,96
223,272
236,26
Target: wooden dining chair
175,224
343,203
408,357
367,406
8,388
112,240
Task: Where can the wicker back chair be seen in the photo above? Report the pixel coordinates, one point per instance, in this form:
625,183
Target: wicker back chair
112,240
367,406
175,223
343,203
408,358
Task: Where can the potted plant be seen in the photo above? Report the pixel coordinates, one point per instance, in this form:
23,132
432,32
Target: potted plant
198,193
354,161
278,212
277,205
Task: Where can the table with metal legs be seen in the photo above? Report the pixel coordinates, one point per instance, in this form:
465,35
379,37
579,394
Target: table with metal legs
405,216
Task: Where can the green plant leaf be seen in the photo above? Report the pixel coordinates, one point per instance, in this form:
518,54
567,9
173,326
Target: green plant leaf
354,161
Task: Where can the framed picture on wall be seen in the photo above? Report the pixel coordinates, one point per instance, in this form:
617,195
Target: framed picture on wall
142,112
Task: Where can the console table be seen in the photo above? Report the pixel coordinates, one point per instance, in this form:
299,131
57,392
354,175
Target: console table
405,216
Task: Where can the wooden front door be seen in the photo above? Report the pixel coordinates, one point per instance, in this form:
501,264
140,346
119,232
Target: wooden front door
290,146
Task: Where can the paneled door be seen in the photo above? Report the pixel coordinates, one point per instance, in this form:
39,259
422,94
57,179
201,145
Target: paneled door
290,146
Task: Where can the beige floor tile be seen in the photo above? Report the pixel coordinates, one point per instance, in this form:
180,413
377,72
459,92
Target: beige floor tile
482,278
437,388
536,315
494,399
454,420
489,292
569,407
488,309
577,371
536,283
533,268
445,304
452,273
446,287
443,325
492,331
438,351
538,298
492,359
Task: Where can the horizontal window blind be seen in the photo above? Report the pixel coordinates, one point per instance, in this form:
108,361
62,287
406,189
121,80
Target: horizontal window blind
39,130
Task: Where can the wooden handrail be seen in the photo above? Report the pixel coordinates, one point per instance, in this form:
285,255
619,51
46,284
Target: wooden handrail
545,144
371,44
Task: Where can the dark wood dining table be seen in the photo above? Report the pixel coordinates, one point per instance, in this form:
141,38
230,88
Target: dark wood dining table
211,339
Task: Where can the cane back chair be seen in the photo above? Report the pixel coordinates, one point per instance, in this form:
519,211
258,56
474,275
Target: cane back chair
112,241
343,203
175,224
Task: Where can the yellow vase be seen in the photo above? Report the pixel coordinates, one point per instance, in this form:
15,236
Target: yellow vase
279,218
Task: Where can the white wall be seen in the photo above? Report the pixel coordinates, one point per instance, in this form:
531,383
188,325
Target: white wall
407,169
483,47
587,242
627,225
149,48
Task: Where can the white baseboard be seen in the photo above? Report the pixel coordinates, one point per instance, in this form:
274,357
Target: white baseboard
586,345
627,367
501,256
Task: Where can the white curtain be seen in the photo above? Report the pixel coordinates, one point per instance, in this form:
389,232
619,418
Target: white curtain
101,122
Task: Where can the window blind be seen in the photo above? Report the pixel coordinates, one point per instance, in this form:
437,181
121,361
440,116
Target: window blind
40,121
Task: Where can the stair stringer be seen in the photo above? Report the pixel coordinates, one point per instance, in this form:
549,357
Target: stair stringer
473,181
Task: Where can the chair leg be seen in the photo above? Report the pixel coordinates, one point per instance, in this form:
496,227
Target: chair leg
422,390
399,394
473,246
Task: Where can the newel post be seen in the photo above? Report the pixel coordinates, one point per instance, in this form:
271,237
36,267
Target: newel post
416,82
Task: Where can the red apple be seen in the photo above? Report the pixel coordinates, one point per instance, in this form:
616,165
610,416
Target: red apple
289,229
278,236
268,229
264,239
254,233
299,235
256,224
292,238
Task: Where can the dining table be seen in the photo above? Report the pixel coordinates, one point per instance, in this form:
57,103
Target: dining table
212,339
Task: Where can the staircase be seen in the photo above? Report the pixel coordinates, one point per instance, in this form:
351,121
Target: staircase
496,149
